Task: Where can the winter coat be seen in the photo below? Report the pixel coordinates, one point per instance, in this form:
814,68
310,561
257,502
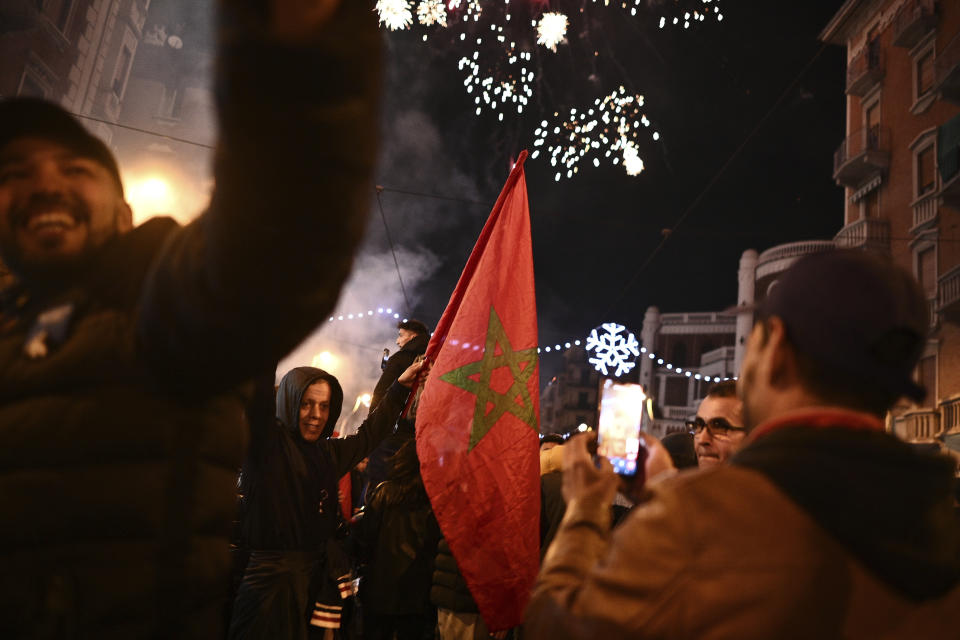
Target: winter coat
812,532
397,364
119,447
449,590
290,506
399,536
378,468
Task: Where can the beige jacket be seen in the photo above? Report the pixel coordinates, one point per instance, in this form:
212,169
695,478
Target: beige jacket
770,571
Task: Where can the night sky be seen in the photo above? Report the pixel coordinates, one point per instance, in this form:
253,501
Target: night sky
706,90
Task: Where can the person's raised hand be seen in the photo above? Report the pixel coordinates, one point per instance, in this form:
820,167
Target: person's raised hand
658,458
419,368
582,479
298,20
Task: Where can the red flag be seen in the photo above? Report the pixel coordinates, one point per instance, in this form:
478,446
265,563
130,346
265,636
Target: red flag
478,417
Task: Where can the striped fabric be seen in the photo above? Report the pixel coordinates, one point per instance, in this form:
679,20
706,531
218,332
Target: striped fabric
327,616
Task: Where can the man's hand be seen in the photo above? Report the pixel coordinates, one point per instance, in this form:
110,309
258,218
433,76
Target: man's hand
420,368
296,21
582,480
658,458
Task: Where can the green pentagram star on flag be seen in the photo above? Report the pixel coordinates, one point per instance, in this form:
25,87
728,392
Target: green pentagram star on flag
491,405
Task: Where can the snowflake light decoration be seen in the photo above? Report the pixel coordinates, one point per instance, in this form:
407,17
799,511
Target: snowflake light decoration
430,12
394,14
613,348
612,127
551,29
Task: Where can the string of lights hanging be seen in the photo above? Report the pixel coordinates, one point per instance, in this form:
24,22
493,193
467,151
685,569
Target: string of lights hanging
611,343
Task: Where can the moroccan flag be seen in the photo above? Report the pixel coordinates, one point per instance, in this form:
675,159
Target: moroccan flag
477,421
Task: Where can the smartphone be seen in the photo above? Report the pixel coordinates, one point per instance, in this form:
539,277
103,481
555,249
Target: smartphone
623,416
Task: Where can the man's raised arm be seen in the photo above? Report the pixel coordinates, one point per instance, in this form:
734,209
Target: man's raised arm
297,103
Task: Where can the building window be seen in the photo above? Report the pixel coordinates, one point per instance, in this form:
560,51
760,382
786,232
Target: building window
58,11
171,103
923,60
870,205
924,73
31,86
675,393
680,354
927,271
582,399
926,171
871,115
123,69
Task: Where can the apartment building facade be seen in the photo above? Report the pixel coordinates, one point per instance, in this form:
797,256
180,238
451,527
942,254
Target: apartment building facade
900,166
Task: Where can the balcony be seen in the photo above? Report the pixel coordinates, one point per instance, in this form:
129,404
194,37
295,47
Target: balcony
867,233
865,70
678,413
918,425
915,19
778,258
950,415
947,68
925,211
948,294
720,354
861,156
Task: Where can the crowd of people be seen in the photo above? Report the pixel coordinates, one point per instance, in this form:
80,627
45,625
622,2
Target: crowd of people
137,379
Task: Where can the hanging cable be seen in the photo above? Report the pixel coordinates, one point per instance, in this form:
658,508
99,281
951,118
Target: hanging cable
393,251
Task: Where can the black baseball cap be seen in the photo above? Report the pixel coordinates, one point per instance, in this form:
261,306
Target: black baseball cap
856,312
36,118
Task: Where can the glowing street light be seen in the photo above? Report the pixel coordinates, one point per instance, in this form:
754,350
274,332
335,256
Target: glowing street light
363,399
150,196
326,361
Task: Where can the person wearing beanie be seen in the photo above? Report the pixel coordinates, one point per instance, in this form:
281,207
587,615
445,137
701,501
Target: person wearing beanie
126,354
822,526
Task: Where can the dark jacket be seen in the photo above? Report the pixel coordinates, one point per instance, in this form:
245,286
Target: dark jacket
398,537
449,590
397,364
119,449
378,468
290,508
290,485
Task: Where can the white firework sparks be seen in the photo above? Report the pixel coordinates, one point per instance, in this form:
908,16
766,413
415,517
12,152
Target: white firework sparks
430,12
710,8
551,29
611,129
394,14
507,84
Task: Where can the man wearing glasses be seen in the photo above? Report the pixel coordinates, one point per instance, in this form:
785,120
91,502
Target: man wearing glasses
823,525
717,429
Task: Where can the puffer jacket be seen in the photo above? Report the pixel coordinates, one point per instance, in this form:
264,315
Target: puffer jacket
812,532
119,448
449,589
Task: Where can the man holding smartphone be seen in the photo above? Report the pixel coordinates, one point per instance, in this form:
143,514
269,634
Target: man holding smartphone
822,526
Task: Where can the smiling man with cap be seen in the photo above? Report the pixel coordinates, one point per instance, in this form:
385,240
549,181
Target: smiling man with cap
127,354
822,526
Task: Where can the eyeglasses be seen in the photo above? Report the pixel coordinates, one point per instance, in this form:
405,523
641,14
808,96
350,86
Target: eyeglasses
718,427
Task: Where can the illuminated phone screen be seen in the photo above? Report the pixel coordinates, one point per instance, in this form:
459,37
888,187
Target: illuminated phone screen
622,411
